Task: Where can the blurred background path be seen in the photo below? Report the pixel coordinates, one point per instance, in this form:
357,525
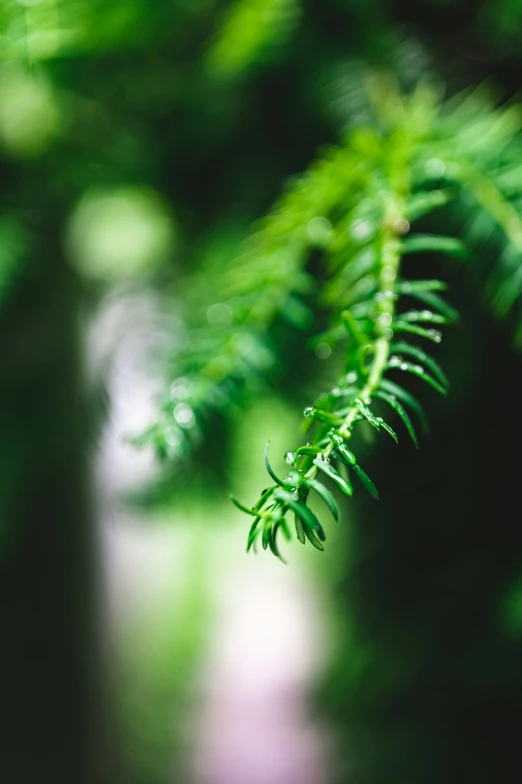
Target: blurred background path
231,641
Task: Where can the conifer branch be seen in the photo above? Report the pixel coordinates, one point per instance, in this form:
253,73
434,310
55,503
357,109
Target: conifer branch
354,205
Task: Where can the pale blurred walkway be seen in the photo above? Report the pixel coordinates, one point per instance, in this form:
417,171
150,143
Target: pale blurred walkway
252,724
255,727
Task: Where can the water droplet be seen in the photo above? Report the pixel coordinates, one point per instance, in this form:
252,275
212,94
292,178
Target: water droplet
394,361
401,226
219,315
367,400
179,389
218,397
364,286
336,391
435,168
356,268
385,319
173,436
387,333
403,365
323,351
319,231
290,458
184,415
351,378
388,274
309,410
360,229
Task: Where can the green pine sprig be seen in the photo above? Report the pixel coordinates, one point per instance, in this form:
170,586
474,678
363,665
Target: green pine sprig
327,458
357,208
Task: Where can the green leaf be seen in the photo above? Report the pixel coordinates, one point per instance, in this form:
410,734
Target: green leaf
366,481
376,421
425,243
304,512
359,291
437,303
353,330
367,414
414,287
397,363
401,411
389,430
285,529
421,356
507,293
299,528
323,416
269,468
311,451
330,471
272,543
264,498
330,336
265,535
422,317
429,334
252,534
360,358
242,506
359,265
312,538
420,204
406,397
326,495
347,455
338,456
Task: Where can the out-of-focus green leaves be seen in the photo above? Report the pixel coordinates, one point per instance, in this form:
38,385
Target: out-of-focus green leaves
422,243
13,241
250,32
31,114
40,30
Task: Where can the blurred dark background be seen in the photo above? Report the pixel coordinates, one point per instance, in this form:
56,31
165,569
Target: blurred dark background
181,121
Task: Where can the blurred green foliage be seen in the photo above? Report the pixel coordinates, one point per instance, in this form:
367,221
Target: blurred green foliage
138,141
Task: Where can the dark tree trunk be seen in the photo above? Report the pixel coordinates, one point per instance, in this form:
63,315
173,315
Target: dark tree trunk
53,718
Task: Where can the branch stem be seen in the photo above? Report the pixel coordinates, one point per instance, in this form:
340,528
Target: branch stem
394,224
